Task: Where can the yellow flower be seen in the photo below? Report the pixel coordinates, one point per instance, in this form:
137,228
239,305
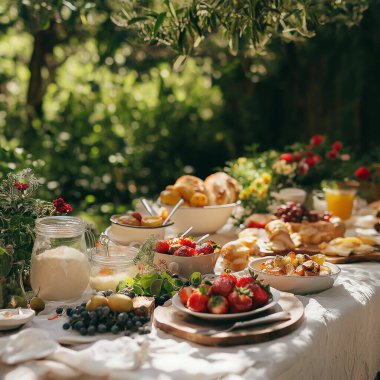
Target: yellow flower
244,194
266,178
263,192
258,181
252,188
242,160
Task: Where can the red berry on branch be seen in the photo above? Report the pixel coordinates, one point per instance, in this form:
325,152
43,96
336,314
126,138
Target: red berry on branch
317,140
317,158
287,157
310,161
21,186
297,156
337,146
331,154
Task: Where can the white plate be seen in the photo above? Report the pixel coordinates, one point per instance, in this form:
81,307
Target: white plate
16,320
295,284
178,305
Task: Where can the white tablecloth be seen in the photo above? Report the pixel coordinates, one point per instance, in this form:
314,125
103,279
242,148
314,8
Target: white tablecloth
339,339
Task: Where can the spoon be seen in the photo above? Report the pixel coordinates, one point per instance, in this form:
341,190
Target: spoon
147,206
202,238
175,208
187,231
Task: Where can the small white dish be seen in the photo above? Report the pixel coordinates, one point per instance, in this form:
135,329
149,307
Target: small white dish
291,194
13,318
295,284
204,220
176,302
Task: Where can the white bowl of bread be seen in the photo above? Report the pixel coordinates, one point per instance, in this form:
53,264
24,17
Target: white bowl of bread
208,204
294,283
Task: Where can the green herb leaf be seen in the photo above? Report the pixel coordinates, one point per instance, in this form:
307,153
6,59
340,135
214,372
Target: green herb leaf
195,279
156,287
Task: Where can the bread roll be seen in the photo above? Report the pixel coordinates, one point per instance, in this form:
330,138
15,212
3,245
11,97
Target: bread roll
192,182
221,189
235,256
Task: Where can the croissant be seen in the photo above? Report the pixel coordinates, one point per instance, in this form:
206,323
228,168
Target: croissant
279,236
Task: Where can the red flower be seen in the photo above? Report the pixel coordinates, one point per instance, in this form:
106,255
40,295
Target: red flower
297,156
303,167
317,140
345,157
288,157
332,154
21,186
362,173
61,206
337,146
317,158
309,147
310,161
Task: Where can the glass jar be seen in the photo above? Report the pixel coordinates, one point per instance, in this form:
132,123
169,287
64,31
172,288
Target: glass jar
60,266
110,265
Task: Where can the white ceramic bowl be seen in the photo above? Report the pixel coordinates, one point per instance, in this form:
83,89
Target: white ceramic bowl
295,284
17,319
204,220
218,317
124,234
185,266
291,194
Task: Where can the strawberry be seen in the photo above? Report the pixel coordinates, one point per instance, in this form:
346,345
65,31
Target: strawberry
198,301
185,251
185,293
205,289
259,294
245,280
218,305
137,215
223,286
228,275
162,246
187,242
240,300
205,249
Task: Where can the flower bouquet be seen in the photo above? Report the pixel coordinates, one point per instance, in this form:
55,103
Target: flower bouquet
18,211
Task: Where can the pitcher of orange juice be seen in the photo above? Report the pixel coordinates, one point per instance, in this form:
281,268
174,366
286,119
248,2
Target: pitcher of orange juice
340,202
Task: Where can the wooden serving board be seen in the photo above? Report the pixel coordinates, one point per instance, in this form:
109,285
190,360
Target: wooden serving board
184,326
374,256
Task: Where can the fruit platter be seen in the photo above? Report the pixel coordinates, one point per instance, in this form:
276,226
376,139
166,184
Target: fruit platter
226,297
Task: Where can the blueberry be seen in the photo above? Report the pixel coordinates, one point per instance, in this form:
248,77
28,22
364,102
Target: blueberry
69,311
93,315
83,331
99,310
106,310
84,314
102,328
174,275
187,283
131,294
91,330
59,310
114,329
138,324
78,325
141,330
127,333
161,300
135,319
122,317
75,316
129,324
147,330
66,326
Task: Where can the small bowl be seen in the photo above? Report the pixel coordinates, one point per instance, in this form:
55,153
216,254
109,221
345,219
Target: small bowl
185,266
291,194
16,319
204,220
295,284
124,234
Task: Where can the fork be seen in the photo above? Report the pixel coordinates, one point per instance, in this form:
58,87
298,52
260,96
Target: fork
280,316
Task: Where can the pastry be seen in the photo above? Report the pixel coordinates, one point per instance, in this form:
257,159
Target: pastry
279,236
191,182
248,232
198,200
346,246
235,256
221,189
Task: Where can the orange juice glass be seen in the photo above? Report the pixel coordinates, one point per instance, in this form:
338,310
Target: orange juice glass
340,202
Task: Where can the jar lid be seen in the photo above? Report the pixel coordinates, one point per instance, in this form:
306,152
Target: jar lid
60,226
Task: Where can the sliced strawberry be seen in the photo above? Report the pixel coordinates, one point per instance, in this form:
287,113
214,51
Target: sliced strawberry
223,286
137,215
187,242
198,302
240,300
259,294
185,251
162,246
205,249
218,305
185,293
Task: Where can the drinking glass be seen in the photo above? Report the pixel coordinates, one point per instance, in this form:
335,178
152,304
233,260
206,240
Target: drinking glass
340,202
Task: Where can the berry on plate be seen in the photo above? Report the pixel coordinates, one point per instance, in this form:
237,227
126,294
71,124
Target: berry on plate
198,302
260,295
240,300
245,280
218,305
223,286
229,275
137,215
185,293
205,249
187,242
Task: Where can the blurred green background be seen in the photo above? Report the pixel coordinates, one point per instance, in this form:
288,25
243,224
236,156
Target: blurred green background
104,120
